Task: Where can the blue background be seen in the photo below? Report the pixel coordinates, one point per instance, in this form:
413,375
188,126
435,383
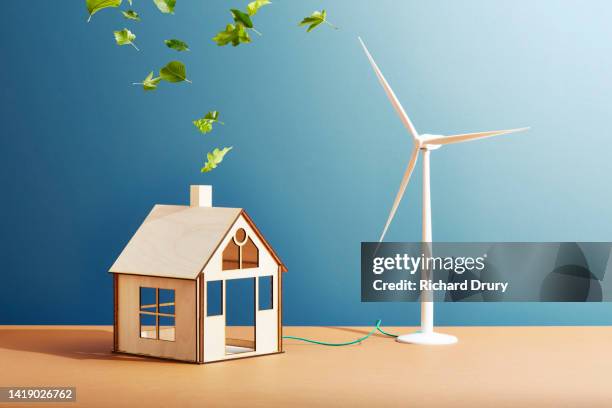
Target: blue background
318,151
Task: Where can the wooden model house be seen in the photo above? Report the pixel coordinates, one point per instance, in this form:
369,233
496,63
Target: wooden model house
182,275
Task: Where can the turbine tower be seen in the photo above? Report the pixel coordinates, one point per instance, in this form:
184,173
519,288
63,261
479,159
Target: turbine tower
423,144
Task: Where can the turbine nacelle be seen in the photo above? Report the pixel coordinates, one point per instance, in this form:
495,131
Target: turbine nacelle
422,142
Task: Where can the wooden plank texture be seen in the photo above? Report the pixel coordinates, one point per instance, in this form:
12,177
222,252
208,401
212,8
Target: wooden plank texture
183,348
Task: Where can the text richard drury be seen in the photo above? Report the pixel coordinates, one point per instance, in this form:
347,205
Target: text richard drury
426,284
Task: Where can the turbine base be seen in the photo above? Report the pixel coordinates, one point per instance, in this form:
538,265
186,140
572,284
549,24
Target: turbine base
429,338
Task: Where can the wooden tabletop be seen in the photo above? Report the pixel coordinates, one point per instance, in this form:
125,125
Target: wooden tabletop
490,366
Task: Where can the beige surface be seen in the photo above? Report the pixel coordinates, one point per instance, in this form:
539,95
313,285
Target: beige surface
501,367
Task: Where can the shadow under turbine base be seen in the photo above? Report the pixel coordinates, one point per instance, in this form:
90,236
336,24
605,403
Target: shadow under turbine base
427,338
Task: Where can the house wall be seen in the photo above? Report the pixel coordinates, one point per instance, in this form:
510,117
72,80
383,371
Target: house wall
266,321
129,341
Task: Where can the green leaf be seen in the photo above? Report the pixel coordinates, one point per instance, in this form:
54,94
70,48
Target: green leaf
214,158
174,72
241,17
93,6
254,6
205,124
177,45
165,6
129,1
149,83
125,37
212,115
131,15
315,19
233,34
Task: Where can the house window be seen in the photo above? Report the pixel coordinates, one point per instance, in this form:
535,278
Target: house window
241,252
250,255
157,314
214,298
231,256
266,301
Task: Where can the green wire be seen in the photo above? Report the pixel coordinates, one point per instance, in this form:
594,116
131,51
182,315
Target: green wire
384,332
322,343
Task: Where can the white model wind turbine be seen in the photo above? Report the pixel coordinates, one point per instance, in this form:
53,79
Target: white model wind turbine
423,144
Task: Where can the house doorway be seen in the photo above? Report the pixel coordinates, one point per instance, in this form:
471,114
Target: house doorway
240,315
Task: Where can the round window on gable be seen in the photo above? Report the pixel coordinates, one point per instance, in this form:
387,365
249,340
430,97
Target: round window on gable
240,252
240,236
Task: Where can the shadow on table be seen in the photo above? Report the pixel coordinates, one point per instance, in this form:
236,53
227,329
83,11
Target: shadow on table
80,344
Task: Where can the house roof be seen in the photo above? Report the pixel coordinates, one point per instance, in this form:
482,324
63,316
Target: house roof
177,241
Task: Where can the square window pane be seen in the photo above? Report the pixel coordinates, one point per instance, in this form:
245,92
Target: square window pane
148,299
166,301
265,293
167,328
214,298
148,326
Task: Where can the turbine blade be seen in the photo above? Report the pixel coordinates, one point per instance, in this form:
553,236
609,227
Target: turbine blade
402,189
466,137
391,95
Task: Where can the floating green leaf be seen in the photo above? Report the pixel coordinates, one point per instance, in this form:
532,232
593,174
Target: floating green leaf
177,45
149,83
241,17
214,158
125,37
254,6
93,6
131,15
205,124
174,72
235,34
165,6
315,19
